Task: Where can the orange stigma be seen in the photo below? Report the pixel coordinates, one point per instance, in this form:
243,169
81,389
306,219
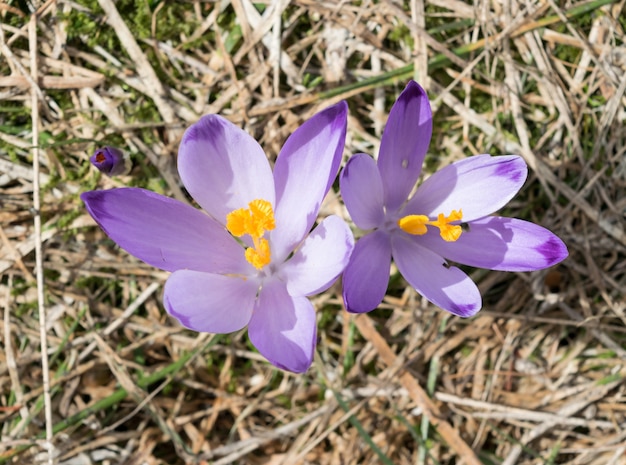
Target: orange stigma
417,225
254,221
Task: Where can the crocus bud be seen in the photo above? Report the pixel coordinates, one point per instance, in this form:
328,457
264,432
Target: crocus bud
111,161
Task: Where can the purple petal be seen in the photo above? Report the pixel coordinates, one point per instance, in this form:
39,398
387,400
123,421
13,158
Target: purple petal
477,185
210,303
366,277
362,191
320,259
505,244
283,328
445,286
223,167
305,169
404,144
111,161
164,232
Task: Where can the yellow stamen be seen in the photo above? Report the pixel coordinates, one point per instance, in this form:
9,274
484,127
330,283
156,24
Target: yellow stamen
253,221
416,225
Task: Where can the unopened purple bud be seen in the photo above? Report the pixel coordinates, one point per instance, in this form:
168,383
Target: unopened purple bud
111,161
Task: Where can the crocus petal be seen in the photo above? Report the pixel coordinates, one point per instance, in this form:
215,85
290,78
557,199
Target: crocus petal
283,328
305,169
505,244
210,303
164,232
445,286
366,277
404,144
477,185
223,167
362,191
320,259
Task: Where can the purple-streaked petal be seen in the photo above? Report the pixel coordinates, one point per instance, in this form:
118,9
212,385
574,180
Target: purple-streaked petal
366,277
444,285
210,303
477,185
320,259
223,167
404,144
362,191
283,328
111,161
164,232
505,244
305,169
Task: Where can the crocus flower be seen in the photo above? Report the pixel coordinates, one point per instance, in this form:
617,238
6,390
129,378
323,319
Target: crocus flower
250,258
445,221
111,161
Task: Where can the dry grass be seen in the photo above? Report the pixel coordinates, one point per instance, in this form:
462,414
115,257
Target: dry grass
536,378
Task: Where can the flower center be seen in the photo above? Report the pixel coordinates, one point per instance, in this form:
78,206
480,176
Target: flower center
100,156
254,221
416,225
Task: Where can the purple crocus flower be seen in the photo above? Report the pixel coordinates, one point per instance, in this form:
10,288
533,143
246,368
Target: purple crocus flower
252,258
445,220
111,161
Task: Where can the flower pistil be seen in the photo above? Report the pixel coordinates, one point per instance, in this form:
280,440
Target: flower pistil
254,221
416,225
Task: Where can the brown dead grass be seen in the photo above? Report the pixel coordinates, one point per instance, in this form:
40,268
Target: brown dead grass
537,377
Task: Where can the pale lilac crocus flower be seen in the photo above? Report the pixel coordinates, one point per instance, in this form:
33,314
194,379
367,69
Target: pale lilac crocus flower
252,258
445,221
